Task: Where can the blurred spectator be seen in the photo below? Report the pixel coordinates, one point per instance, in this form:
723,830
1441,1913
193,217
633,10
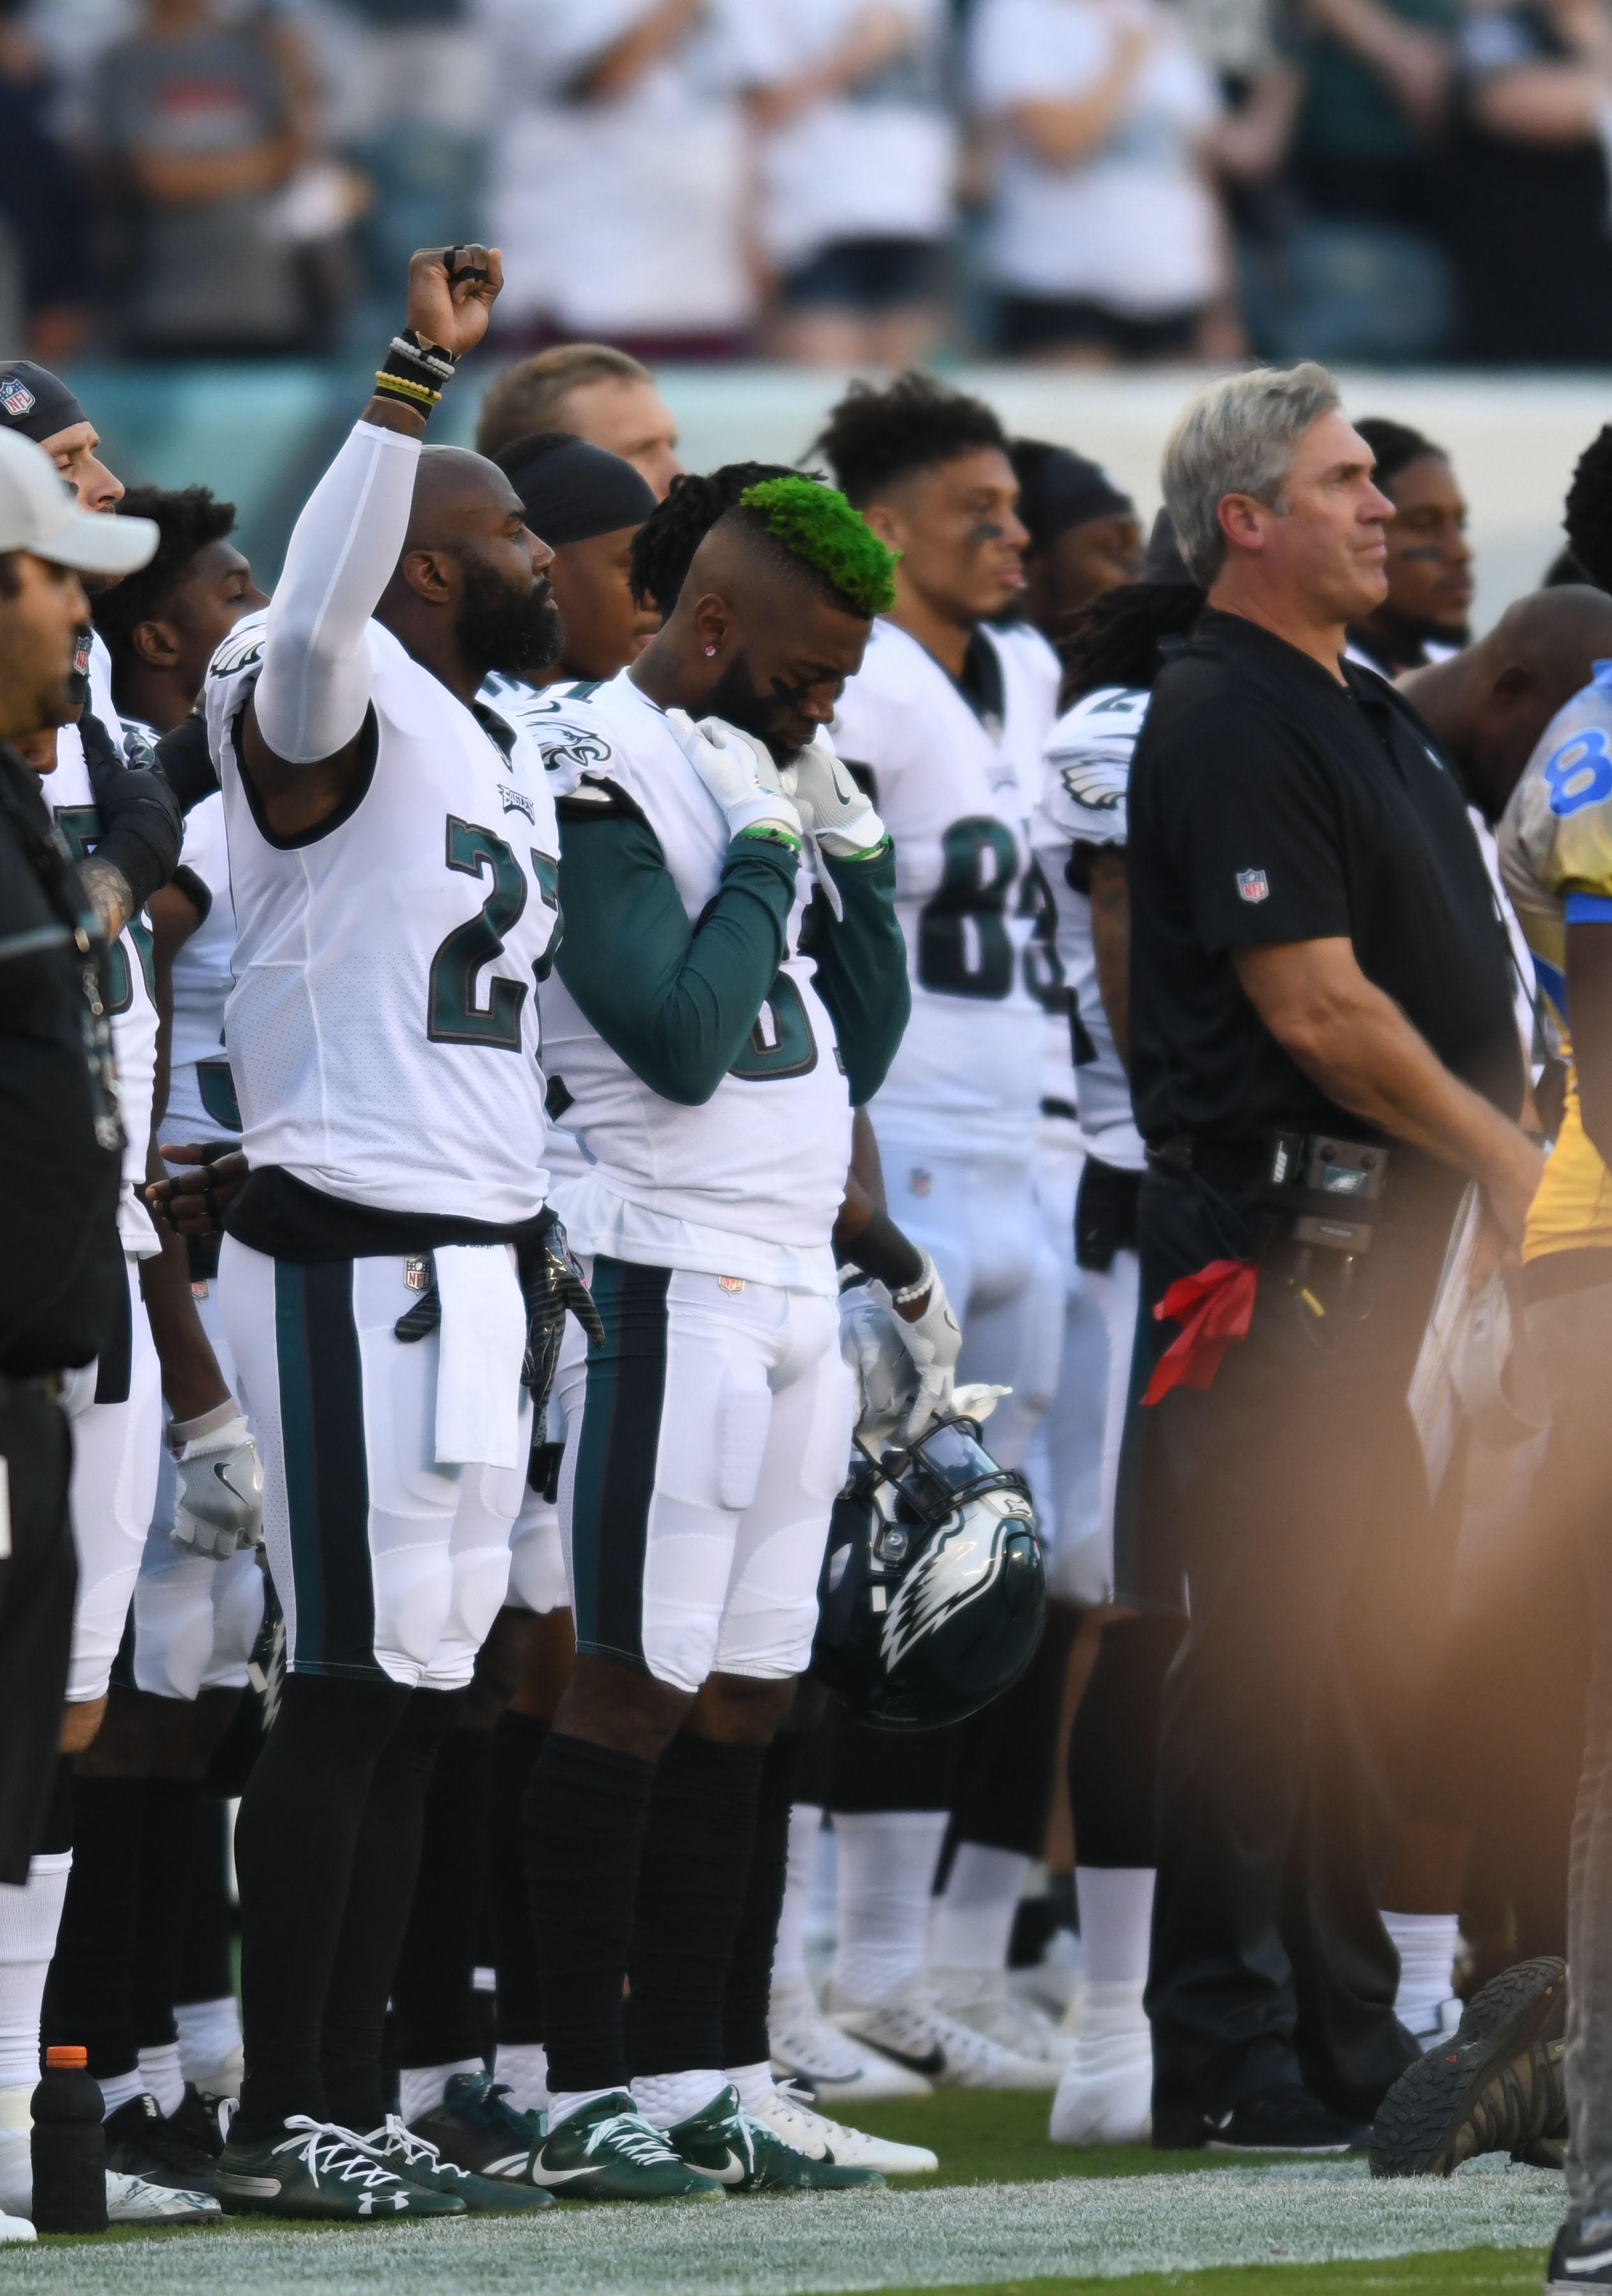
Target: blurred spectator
1106,240
410,84
856,154
44,218
1366,276
204,127
1530,185
1085,536
617,185
595,393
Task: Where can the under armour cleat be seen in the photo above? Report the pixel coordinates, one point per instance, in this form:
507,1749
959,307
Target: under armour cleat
313,2168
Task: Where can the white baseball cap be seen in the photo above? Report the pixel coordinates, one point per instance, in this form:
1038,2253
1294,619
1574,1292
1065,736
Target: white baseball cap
39,513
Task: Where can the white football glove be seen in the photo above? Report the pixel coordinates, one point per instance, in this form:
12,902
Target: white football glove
737,770
884,1373
934,1341
831,806
219,1498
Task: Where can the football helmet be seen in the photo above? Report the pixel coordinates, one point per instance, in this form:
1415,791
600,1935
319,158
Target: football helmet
933,1590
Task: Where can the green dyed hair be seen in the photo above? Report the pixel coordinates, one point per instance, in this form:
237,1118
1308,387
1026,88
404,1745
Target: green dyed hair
816,523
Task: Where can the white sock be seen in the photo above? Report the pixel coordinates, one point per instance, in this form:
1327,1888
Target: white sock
209,2033
887,1860
523,2066
1426,1944
972,1918
789,1953
567,2101
117,2088
160,2072
667,2098
31,1914
1116,1921
754,2083
420,2088
16,2161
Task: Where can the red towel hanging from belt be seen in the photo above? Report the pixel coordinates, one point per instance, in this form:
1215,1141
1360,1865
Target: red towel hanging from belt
1213,1307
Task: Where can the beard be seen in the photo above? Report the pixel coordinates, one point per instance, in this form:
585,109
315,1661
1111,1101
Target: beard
515,631
736,697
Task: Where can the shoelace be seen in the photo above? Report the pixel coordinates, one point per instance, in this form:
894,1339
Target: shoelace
395,2136
328,2151
802,2123
639,2139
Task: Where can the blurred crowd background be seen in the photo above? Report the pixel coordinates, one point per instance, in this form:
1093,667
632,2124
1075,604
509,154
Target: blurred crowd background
830,182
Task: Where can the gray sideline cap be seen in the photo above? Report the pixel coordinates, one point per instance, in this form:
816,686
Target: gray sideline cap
39,513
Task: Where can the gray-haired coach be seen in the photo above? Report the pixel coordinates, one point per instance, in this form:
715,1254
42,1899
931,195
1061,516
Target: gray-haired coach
1323,1053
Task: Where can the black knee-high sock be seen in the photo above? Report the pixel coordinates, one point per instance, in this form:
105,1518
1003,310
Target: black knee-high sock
517,1739
380,1895
167,1851
697,1851
295,1841
204,1972
433,1992
749,1965
587,1807
90,1992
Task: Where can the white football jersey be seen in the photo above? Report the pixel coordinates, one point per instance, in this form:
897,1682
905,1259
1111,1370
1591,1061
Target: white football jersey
749,1183
383,1029
131,981
955,794
201,1095
1082,802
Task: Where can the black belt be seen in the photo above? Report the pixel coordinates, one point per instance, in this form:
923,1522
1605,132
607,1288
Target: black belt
47,1383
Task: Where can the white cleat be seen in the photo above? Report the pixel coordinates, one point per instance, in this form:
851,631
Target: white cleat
132,2200
17,2229
916,2031
811,2050
16,2172
1105,2094
789,2114
984,1998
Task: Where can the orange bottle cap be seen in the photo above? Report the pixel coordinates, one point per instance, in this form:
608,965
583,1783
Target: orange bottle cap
69,2060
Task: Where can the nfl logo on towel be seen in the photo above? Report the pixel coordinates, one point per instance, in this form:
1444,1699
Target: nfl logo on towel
1252,886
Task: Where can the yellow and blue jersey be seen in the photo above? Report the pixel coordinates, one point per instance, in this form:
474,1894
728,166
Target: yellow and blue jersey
1556,862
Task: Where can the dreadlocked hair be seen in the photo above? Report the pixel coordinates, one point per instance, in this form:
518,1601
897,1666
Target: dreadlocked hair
817,525
1394,447
1115,640
663,547
1588,518
915,423
188,520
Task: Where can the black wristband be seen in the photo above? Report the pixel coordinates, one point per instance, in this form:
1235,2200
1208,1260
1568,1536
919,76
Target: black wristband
881,1250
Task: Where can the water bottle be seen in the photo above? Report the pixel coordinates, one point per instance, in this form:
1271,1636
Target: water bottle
69,2146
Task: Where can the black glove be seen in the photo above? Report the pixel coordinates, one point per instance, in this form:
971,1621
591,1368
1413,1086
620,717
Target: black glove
142,826
552,1278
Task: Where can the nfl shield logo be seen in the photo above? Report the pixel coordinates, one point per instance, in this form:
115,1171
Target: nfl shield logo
1251,885
15,396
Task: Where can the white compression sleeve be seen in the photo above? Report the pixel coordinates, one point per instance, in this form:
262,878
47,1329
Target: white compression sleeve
314,688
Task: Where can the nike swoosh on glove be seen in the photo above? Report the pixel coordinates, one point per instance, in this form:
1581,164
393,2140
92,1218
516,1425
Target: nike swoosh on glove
218,1492
832,807
739,773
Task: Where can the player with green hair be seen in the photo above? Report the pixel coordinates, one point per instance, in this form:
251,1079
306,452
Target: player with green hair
731,983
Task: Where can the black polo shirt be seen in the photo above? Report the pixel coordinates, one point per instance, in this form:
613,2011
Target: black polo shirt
1269,803
60,1144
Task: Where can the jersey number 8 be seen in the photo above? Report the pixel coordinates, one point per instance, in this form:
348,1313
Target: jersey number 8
1580,773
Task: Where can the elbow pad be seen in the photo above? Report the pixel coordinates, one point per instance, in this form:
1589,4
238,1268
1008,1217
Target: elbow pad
142,824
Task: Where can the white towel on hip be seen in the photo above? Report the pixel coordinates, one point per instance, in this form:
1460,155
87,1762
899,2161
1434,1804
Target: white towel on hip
482,1346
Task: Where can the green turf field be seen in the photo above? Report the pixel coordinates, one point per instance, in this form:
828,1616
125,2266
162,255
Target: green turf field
1009,2213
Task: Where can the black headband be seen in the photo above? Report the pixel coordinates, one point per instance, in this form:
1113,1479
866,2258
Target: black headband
572,491
1066,491
36,402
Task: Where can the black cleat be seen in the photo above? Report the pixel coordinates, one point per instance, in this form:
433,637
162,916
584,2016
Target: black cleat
140,2142
1284,2120
1495,2086
204,2119
475,2128
1582,2256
